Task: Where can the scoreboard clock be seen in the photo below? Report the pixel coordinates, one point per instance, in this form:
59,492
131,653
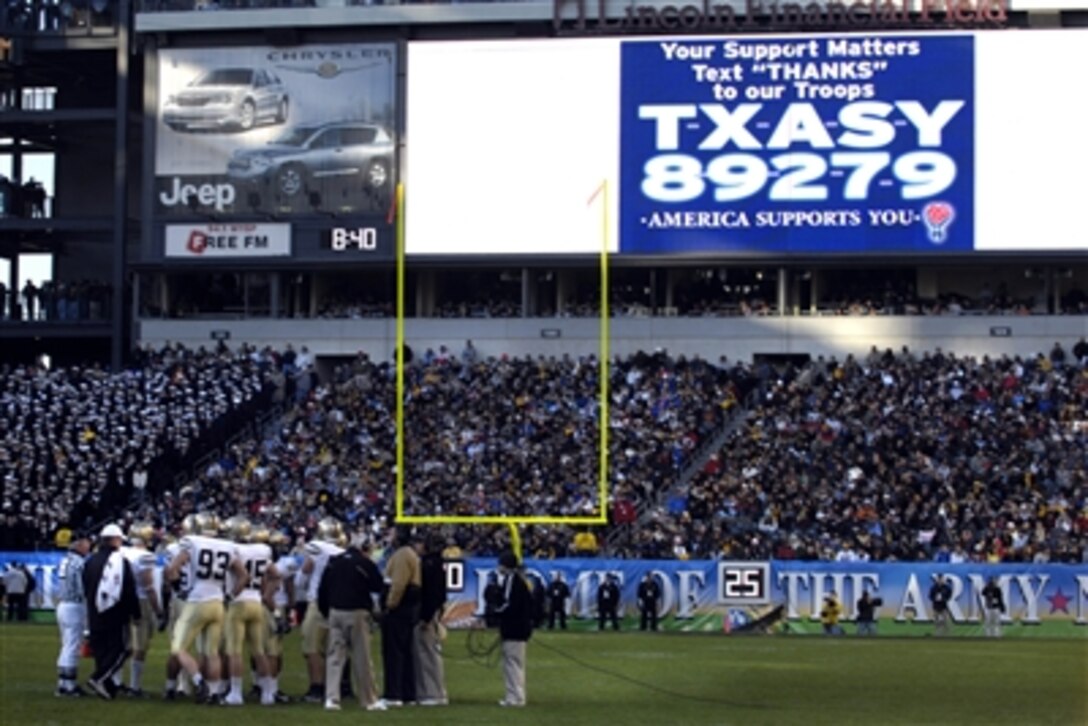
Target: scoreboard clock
359,239
744,583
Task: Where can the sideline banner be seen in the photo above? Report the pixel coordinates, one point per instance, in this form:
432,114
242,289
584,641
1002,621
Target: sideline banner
719,595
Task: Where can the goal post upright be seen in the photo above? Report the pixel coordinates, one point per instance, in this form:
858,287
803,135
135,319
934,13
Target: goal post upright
513,522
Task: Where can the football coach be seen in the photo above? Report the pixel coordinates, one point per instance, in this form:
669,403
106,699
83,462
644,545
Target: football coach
109,588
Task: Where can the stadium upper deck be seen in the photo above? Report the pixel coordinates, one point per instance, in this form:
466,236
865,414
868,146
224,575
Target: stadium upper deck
246,153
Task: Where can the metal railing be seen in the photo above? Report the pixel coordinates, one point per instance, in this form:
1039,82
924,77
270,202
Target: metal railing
644,509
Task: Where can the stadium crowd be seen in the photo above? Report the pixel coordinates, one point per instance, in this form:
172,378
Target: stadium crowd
76,443
894,456
482,436
897,457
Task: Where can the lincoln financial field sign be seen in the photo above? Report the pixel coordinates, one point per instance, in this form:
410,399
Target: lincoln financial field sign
586,17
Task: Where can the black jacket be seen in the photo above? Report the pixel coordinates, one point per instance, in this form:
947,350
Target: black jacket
348,583
608,596
433,595
993,597
516,613
126,610
558,592
649,594
867,609
940,594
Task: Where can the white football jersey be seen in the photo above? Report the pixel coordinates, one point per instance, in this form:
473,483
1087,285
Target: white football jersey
209,562
141,561
319,552
256,558
185,576
288,567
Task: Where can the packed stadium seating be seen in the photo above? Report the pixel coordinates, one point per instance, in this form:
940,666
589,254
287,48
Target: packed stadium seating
895,456
78,443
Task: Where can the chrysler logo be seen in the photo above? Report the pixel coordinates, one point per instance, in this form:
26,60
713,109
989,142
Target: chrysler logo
329,68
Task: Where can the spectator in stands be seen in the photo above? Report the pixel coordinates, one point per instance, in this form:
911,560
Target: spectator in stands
30,300
585,544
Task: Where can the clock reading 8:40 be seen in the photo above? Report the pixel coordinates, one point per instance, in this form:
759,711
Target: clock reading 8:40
362,238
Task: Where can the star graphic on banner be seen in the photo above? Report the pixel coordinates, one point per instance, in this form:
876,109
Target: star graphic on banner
1058,601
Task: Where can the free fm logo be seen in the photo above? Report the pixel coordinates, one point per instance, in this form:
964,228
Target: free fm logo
198,242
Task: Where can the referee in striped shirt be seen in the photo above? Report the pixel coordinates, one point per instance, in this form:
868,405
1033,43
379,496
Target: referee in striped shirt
71,616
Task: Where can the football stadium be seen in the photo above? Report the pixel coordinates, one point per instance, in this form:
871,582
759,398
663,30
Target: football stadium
543,361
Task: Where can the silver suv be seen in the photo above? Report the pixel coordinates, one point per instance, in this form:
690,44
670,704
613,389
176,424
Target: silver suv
308,154
228,98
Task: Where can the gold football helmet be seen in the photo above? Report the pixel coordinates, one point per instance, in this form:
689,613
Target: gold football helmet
328,530
142,531
188,525
278,539
207,524
238,528
260,534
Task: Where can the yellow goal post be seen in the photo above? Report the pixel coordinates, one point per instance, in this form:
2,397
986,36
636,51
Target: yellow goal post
600,195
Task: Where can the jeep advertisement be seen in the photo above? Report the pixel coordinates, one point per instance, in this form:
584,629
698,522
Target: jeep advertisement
276,131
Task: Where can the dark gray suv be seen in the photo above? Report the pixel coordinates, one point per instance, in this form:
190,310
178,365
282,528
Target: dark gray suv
308,154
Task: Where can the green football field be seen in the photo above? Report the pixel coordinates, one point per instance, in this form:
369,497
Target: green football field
632,678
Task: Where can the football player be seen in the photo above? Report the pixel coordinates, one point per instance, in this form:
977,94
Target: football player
278,619
246,613
173,596
142,561
315,631
208,559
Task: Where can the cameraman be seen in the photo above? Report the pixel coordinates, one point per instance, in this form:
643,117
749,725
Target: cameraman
830,614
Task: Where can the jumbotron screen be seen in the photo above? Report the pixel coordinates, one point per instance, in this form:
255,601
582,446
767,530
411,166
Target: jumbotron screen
803,144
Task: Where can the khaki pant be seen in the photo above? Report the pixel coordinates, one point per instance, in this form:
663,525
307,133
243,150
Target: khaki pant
140,638
513,671
246,623
349,635
430,673
199,619
173,615
273,647
315,631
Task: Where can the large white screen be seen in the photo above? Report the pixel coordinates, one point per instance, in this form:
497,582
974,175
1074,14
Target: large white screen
506,144
507,140
1031,159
